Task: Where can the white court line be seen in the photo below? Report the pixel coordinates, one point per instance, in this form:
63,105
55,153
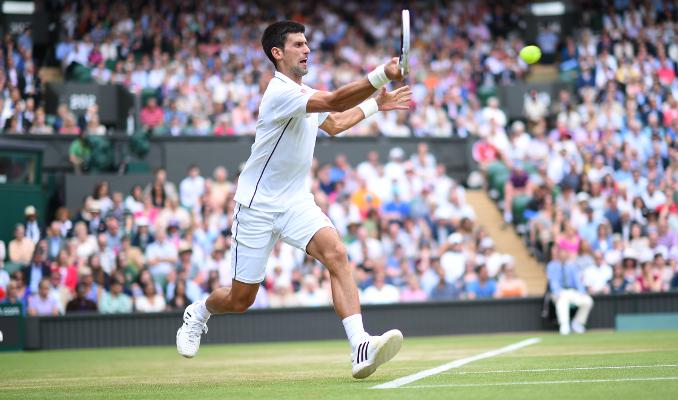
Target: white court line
511,371
455,364
666,378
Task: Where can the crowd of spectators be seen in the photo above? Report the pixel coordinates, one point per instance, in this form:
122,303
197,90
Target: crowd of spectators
410,236
199,69
599,181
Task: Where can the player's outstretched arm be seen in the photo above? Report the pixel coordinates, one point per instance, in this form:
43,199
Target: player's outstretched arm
398,99
350,95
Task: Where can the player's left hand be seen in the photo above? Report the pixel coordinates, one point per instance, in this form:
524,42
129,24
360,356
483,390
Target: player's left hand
392,70
398,99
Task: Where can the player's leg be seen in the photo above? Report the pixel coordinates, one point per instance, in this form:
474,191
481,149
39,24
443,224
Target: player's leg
253,240
307,228
326,247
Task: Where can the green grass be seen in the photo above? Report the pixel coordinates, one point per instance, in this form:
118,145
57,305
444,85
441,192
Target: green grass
321,370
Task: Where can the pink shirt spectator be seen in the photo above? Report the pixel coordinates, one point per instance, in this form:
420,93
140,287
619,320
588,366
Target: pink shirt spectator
151,115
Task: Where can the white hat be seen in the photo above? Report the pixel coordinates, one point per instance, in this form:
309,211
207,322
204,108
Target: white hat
142,221
582,196
30,210
455,238
396,152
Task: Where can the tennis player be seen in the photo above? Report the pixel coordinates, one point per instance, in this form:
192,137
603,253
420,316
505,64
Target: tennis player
272,201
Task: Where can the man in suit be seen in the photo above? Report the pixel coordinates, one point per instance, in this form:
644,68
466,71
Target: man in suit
36,270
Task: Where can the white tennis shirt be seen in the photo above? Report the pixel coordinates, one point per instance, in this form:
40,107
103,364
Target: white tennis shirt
275,173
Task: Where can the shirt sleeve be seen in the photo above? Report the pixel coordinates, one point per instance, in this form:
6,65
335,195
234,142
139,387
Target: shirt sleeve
290,102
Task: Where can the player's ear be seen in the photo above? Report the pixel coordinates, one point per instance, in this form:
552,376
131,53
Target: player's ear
277,53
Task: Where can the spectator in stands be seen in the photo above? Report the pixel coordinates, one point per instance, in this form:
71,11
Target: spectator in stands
115,301
179,301
160,189
151,116
33,229
380,292
40,126
483,288
192,188
161,256
151,301
21,248
41,303
79,154
311,295
509,284
567,289
36,271
444,290
13,296
80,303
59,291
412,292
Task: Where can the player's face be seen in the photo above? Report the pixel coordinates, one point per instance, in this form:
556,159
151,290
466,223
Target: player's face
295,54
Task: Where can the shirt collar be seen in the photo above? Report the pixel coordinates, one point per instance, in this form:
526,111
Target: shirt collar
285,78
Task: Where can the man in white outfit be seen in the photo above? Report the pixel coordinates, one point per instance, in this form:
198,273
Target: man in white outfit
272,204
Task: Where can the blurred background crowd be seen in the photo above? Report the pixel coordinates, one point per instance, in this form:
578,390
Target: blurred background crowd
588,177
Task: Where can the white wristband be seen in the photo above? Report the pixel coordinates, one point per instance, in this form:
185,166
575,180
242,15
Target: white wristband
378,77
369,107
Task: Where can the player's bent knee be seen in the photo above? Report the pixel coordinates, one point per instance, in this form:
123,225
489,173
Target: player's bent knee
336,256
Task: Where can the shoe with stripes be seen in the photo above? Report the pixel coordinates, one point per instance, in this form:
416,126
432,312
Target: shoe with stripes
370,354
188,335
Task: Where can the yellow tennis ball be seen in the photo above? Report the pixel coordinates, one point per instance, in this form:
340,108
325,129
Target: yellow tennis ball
530,54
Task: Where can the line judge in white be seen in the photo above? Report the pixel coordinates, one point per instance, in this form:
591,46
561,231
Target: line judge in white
272,202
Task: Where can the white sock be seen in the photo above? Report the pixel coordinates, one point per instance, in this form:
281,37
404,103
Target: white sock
201,309
354,329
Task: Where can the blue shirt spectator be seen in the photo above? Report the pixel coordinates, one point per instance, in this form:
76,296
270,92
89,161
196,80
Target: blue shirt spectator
482,288
564,274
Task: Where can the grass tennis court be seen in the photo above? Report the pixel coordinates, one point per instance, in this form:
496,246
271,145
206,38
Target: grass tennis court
596,365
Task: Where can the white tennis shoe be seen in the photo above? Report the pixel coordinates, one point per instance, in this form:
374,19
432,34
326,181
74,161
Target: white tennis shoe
370,354
188,335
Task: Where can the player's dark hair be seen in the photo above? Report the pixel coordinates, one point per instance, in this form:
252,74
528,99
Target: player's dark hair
276,34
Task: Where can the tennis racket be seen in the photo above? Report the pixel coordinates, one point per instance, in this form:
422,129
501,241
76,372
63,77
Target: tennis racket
404,60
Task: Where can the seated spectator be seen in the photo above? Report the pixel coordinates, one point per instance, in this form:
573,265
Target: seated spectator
41,304
567,289
484,288
151,301
21,248
412,292
598,275
39,126
59,291
618,284
179,301
13,296
37,270
509,284
79,153
380,292
80,303
311,295
151,116
115,301
444,290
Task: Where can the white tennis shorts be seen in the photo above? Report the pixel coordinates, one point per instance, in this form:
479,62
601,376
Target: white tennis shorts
255,233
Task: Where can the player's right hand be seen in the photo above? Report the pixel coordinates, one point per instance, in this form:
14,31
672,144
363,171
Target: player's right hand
392,70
